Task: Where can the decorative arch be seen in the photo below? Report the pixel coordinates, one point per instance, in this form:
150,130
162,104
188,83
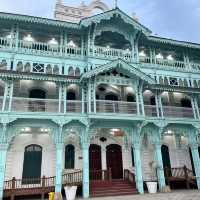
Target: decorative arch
19,67
27,67
69,156
3,65
32,164
56,69
77,72
71,71
98,4
49,69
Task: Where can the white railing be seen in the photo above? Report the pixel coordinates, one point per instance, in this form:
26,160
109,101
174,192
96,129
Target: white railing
177,112
172,63
150,110
144,59
4,43
34,105
195,66
74,106
123,107
111,53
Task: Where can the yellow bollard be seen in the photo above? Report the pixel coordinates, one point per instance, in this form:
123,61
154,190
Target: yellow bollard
51,195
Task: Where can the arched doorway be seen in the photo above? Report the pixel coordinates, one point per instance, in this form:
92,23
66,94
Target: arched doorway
114,160
95,161
32,164
166,158
69,156
37,105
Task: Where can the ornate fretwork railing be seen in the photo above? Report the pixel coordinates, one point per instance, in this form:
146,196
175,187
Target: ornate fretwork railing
111,53
103,106
164,62
45,105
177,112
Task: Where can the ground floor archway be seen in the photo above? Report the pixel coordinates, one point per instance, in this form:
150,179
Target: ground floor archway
114,160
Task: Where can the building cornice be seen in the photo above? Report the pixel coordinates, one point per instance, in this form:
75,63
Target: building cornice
38,20
8,74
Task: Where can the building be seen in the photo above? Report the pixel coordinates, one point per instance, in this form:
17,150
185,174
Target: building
94,98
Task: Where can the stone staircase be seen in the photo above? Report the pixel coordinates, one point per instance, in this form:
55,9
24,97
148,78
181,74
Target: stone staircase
114,188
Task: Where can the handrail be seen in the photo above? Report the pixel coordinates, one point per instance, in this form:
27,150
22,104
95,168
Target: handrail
129,176
103,175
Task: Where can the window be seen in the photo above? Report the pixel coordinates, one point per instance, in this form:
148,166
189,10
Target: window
69,156
38,68
32,164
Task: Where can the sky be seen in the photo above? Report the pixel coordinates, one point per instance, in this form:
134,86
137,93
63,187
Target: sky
175,19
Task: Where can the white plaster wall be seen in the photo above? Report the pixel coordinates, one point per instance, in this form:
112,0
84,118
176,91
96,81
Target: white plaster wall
15,156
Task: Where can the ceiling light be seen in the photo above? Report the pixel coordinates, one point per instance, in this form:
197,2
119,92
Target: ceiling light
142,54
159,56
71,44
169,57
9,36
53,41
27,129
29,38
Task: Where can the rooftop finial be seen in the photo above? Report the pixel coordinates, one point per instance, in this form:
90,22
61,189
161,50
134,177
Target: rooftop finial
116,3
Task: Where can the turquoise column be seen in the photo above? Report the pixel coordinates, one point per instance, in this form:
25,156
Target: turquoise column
160,170
3,154
138,168
136,141
59,165
196,161
85,148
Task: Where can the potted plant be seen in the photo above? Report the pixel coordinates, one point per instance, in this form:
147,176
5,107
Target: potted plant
152,184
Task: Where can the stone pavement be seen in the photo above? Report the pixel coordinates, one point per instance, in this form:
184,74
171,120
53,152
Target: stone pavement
175,195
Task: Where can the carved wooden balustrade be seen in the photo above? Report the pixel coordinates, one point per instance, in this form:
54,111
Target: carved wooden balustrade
101,175
39,186
129,176
180,174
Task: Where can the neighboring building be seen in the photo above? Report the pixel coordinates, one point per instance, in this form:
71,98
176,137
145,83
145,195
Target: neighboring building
101,95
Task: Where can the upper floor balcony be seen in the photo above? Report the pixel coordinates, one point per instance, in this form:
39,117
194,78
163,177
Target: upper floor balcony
109,100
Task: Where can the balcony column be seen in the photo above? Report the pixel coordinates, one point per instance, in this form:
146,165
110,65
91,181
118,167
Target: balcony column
193,143
85,152
94,95
59,159
151,54
8,95
159,107
155,139
84,97
12,37
61,44
61,98
140,100
82,46
3,154
195,106
91,97
16,36
136,141
64,92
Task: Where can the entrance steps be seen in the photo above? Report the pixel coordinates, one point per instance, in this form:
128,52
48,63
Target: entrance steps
113,188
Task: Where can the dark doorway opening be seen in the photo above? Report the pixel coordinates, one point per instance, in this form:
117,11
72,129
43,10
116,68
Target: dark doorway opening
166,159
38,105
114,160
69,156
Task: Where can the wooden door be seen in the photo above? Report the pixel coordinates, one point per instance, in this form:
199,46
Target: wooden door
95,162
114,160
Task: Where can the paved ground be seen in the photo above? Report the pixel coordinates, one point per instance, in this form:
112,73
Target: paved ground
175,195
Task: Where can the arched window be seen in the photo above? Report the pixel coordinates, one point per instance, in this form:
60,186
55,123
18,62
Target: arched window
71,95
130,98
71,71
32,164
77,72
69,156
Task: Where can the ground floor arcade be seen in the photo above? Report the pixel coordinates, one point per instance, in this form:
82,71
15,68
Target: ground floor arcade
34,152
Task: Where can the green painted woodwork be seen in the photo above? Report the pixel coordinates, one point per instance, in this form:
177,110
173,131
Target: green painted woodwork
32,164
69,156
95,63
